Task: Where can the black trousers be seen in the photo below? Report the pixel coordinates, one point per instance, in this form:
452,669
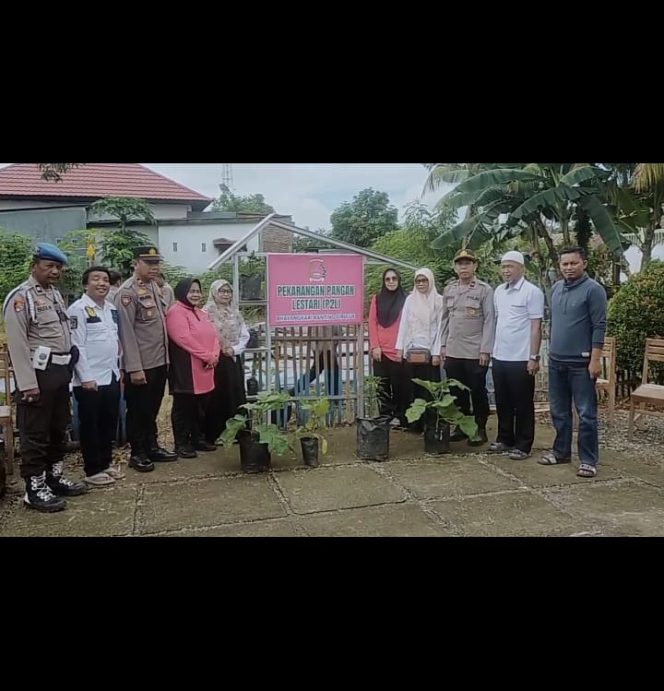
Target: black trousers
397,388
515,392
187,417
228,395
98,421
427,372
143,403
470,373
42,425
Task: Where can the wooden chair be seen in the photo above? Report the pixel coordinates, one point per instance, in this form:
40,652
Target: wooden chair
647,394
6,410
609,369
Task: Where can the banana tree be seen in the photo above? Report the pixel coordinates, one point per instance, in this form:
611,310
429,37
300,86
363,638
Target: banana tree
535,201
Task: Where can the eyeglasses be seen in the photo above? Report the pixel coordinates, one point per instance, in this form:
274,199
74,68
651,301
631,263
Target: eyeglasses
225,292
421,280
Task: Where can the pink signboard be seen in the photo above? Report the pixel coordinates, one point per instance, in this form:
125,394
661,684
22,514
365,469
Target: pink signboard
315,289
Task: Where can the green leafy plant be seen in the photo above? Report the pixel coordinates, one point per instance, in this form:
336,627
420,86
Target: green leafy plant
252,266
373,388
318,411
444,405
268,433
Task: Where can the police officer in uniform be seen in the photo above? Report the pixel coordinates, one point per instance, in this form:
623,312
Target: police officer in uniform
40,347
142,306
467,335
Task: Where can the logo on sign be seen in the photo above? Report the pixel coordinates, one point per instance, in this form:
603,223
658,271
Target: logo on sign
317,271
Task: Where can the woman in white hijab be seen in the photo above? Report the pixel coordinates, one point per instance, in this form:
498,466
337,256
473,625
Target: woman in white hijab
418,340
229,392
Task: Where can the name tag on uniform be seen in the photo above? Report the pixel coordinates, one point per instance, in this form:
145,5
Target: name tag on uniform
473,311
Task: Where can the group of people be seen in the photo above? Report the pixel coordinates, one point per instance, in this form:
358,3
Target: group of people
471,326
141,333
146,334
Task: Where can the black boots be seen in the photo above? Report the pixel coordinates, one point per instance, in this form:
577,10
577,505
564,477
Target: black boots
39,496
60,485
159,455
141,463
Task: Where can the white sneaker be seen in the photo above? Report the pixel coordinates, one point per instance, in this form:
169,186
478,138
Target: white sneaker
395,422
115,472
100,480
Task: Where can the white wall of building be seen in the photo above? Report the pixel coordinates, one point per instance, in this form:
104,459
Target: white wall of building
182,245
634,254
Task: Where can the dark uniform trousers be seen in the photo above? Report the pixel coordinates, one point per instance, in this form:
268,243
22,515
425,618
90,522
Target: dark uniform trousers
470,373
42,425
188,417
397,388
143,403
98,421
515,392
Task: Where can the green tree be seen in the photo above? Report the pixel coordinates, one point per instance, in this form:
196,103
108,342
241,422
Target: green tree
75,245
636,313
648,185
54,171
118,245
536,201
301,243
368,217
412,244
252,203
15,257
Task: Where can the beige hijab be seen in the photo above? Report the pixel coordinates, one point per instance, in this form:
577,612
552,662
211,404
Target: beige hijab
226,318
424,307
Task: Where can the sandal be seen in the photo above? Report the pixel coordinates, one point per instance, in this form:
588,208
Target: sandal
549,458
100,480
586,470
115,471
518,455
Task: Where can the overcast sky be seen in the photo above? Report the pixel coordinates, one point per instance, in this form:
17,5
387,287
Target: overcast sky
309,192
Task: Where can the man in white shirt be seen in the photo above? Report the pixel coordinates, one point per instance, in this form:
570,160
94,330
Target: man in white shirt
519,308
94,329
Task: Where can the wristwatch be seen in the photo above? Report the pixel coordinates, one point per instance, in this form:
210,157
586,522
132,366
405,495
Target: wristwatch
535,357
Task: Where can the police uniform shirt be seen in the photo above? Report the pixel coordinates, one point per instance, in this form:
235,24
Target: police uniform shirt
94,330
141,314
468,325
34,316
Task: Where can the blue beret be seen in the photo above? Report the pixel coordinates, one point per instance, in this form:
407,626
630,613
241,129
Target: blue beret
45,250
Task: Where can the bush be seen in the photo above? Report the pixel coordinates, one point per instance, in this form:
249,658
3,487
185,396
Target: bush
637,313
15,259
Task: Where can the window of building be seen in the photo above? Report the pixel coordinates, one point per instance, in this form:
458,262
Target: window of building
175,247
203,247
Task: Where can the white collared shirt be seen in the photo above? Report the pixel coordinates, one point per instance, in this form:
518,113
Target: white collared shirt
516,306
94,331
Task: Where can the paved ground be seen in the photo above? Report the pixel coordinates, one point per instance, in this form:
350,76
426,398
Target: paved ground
465,493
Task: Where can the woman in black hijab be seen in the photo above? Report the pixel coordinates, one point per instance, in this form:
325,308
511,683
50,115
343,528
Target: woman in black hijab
384,319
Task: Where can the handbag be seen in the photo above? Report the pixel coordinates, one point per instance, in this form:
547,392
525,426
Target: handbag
418,356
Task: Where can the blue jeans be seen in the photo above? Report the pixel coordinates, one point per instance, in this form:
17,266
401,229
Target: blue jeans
569,382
